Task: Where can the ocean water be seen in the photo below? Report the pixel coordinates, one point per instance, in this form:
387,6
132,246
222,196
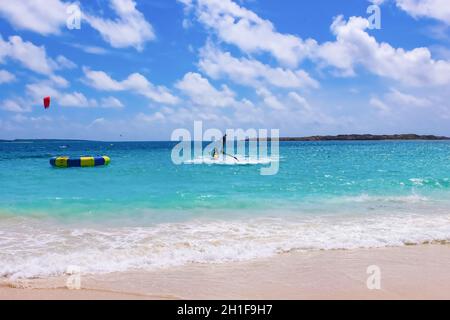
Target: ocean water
143,212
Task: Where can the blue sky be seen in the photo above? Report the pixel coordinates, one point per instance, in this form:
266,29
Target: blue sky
137,70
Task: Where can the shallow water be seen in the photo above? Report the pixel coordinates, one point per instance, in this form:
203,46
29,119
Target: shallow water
143,211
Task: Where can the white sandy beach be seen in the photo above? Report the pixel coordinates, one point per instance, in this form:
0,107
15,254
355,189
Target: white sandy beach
411,272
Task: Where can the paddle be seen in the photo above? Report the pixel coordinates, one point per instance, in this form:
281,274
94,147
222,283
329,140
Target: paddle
231,156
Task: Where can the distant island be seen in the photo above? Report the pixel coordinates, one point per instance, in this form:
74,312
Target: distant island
356,137
366,137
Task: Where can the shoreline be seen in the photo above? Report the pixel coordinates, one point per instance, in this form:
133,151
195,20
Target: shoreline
409,272
314,138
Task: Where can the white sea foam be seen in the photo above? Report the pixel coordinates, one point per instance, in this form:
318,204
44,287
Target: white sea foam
34,249
417,181
365,198
232,161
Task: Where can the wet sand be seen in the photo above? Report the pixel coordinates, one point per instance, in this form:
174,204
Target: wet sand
411,272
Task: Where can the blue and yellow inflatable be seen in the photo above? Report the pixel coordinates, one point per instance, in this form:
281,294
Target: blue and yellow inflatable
67,162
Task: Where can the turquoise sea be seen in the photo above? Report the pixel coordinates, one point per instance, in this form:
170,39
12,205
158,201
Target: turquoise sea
144,212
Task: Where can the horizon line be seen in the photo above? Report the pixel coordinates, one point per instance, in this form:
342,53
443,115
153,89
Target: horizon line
312,138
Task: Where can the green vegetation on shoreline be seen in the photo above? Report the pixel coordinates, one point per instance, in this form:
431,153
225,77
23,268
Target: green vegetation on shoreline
366,137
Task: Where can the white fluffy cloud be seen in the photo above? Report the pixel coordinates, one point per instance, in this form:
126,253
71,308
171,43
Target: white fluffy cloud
42,16
155,117
202,93
111,102
6,76
102,81
270,100
400,98
59,81
75,99
218,64
20,118
291,105
15,105
134,82
54,87
79,100
355,47
378,104
186,115
31,56
395,100
27,54
435,9
36,91
241,27
51,87
64,63
304,112
285,111
130,28
299,101
98,121
90,49
377,2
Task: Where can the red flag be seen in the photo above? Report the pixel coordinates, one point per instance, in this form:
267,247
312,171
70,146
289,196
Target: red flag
46,102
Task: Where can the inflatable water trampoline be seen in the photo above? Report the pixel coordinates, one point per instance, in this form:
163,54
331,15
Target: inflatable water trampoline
68,162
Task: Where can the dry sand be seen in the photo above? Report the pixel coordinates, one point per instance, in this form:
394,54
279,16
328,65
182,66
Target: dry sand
412,272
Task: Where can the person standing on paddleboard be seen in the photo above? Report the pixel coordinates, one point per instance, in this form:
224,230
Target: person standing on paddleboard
215,153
